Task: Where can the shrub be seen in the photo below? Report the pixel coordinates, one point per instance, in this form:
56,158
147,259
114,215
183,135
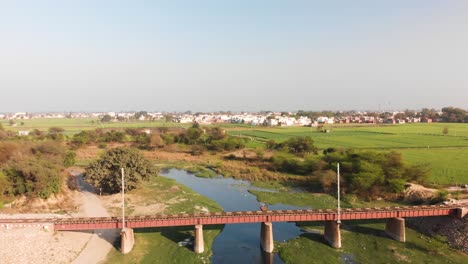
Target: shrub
34,176
69,159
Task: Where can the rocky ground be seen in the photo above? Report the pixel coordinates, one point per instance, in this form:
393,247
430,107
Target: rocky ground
456,230
36,244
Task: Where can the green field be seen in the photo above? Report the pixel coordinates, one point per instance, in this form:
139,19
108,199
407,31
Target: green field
367,243
420,143
449,166
75,125
369,137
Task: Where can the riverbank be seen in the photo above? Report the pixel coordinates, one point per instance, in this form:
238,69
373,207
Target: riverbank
366,241
160,245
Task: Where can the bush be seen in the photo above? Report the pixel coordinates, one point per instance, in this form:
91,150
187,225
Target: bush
197,150
35,176
7,149
69,159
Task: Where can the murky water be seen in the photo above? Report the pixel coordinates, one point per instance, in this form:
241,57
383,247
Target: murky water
237,243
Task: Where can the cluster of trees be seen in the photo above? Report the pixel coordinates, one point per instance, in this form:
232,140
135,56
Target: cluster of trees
296,145
213,138
33,169
454,115
53,133
105,173
199,139
366,173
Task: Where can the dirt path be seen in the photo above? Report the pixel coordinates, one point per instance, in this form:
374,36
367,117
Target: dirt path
101,242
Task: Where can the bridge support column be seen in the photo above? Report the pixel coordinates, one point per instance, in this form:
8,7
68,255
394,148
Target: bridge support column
128,240
332,233
266,237
462,212
395,229
199,245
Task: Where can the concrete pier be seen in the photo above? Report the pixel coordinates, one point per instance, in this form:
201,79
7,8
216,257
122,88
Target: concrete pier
199,245
332,234
266,237
395,229
128,240
462,212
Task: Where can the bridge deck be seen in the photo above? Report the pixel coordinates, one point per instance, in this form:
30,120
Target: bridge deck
86,223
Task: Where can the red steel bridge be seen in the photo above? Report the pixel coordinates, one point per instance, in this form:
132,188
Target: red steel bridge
395,228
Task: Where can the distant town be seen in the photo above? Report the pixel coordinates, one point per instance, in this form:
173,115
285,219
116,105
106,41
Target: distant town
263,118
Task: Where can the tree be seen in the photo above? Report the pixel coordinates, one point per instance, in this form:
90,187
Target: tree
105,172
141,114
168,118
300,145
56,133
215,133
114,136
106,118
193,134
453,114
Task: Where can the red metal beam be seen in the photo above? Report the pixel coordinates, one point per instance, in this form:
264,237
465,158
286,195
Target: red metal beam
91,223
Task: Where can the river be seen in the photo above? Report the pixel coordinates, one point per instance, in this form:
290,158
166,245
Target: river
237,243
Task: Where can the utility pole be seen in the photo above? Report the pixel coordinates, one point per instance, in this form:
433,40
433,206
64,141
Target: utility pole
123,201
338,190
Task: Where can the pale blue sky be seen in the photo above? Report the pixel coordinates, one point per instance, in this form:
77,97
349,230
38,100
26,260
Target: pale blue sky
235,55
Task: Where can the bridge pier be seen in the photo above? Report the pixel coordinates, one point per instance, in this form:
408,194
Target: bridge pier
128,240
266,237
395,228
462,212
199,244
332,233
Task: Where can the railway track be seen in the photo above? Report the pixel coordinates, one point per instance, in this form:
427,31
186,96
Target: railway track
360,213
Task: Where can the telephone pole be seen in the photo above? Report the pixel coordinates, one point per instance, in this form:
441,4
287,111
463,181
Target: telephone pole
123,201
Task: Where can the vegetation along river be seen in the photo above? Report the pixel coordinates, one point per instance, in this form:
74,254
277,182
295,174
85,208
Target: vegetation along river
237,243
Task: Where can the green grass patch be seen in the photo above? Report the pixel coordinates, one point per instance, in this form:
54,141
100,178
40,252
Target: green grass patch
75,125
160,245
317,200
449,166
313,200
367,243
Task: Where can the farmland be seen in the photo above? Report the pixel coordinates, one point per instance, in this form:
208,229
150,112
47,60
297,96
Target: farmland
75,125
419,143
368,137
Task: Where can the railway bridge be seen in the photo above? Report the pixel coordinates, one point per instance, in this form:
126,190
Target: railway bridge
395,227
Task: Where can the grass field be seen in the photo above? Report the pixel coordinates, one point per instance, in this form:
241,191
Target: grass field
449,166
420,143
368,137
367,243
75,125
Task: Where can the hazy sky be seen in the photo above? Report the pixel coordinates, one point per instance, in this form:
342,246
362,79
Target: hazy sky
250,55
